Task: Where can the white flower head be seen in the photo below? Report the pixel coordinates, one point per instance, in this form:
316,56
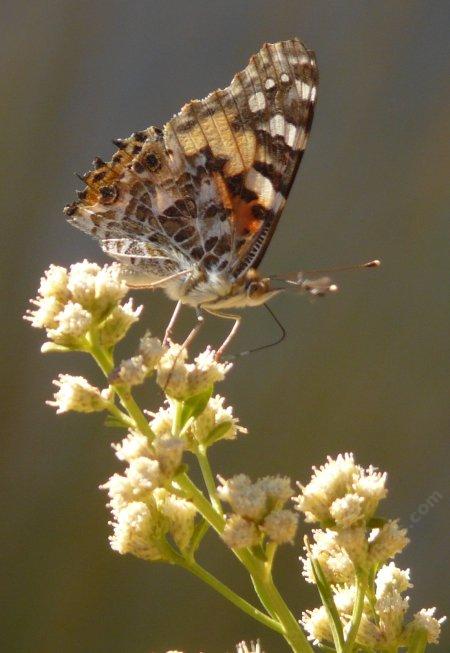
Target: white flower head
354,542
97,289
240,533
333,559
317,626
181,380
246,499
215,421
72,324
253,647
180,514
76,393
424,620
132,446
387,541
280,526
151,349
118,322
389,578
161,424
169,453
138,530
341,491
131,371
144,474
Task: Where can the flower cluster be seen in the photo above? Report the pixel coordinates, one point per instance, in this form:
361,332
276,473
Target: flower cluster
351,556
257,510
71,302
145,511
181,380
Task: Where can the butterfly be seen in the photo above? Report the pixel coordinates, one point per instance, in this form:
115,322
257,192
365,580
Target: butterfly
192,207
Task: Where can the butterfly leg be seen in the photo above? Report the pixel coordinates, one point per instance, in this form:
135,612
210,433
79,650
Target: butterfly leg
188,340
171,324
237,322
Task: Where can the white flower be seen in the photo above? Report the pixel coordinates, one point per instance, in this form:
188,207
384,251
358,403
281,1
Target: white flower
131,371
387,542
240,533
389,577
347,510
96,289
316,624
353,541
118,322
215,421
181,380
169,453
54,284
144,474
343,491
246,499
424,620
133,446
180,515
75,393
391,608
253,647
161,424
333,559
138,531
151,350
278,489
280,526
72,323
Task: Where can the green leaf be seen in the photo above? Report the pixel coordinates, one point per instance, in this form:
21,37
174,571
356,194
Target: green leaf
194,406
217,433
114,422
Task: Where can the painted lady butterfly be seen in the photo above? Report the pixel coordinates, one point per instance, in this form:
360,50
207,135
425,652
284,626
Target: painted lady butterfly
192,207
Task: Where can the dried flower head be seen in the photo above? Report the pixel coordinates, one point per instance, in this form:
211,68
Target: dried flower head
425,621
240,533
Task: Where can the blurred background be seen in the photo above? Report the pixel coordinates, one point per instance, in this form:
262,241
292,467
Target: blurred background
363,371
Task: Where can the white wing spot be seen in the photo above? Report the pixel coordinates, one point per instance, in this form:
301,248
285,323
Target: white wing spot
262,186
269,83
284,77
305,90
257,102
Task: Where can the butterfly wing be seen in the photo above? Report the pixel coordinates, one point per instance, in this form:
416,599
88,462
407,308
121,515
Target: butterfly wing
210,188
251,137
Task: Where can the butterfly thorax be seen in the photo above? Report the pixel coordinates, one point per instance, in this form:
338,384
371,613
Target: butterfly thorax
219,290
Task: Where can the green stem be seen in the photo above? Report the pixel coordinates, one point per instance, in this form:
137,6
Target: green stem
361,586
205,467
119,415
105,361
418,642
262,580
229,594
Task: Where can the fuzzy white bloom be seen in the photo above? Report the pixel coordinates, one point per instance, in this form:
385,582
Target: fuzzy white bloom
180,515
333,559
76,393
151,349
369,634
131,371
278,489
424,620
353,541
215,421
169,453
317,626
389,577
132,446
253,647
118,322
137,530
391,608
387,542
246,499
334,489
181,380
280,526
72,323
240,533
96,289
54,284
161,424
121,492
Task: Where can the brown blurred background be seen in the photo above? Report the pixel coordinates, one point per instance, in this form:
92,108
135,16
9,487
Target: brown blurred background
364,371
